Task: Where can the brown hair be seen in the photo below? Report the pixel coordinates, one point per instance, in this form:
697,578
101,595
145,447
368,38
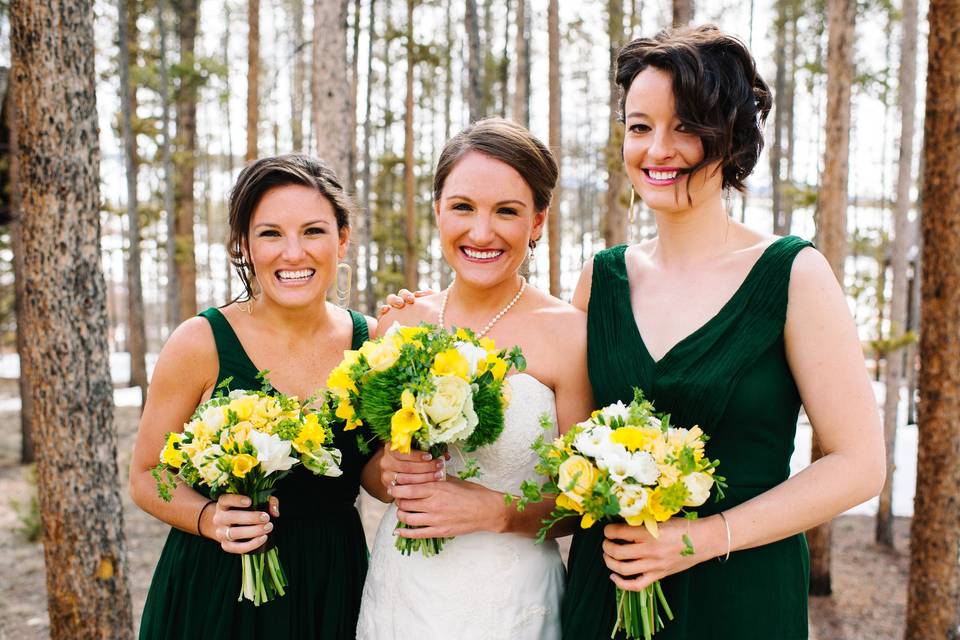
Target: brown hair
268,173
510,143
719,94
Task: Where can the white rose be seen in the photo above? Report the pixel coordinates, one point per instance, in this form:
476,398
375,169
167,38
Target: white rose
632,499
472,353
699,485
272,452
214,417
448,411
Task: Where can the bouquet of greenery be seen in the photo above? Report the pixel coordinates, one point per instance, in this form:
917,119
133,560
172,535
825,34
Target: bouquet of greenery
428,388
626,462
244,442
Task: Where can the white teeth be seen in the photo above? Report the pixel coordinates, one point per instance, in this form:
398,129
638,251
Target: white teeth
295,275
481,255
662,175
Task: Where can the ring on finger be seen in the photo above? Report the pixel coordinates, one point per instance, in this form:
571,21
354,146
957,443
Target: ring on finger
226,534
396,475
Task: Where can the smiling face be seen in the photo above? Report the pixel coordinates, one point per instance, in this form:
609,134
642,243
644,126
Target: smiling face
486,219
294,245
658,152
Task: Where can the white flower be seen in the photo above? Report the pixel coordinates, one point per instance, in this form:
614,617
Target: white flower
272,452
594,442
632,499
473,354
618,410
206,463
621,464
643,468
448,411
237,393
699,485
326,459
214,417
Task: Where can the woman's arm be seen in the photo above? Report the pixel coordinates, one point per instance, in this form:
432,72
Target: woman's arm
581,295
825,357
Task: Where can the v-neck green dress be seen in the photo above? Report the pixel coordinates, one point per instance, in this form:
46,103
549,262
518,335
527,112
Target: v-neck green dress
731,378
318,535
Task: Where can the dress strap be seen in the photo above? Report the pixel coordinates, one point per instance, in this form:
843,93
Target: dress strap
361,332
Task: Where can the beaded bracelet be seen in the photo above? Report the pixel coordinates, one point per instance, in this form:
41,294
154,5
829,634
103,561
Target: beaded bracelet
727,527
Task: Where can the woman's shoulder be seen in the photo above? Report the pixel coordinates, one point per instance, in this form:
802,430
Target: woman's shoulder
190,353
553,309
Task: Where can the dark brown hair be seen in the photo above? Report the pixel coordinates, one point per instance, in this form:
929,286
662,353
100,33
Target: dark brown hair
719,95
268,173
510,143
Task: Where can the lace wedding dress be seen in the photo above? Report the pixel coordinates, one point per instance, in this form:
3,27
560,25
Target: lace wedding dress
482,585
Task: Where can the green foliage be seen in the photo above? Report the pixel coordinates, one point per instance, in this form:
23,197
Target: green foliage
487,404
29,523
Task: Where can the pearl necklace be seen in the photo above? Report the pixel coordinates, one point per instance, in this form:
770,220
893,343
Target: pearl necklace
500,314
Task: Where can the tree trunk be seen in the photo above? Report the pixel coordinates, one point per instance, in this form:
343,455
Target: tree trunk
933,597
169,179
504,68
901,238
553,221
779,94
351,177
298,75
185,159
64,318
831,213
330,86
228,279
789,195
682,12
253,79
136,329
473,61
410,254
521,85
615,223
370,300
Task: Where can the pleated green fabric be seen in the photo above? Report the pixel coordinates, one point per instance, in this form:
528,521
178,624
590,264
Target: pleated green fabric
319,539
731,378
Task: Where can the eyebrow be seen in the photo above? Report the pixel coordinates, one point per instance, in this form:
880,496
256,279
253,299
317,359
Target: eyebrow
305,224
502,202
637,114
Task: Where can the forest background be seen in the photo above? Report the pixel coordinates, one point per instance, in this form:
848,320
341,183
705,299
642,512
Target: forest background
187,91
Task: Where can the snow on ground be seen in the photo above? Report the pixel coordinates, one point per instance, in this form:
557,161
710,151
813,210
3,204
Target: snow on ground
905,476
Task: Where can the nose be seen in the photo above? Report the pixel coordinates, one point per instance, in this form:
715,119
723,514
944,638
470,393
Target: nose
662,148
292,248
481,233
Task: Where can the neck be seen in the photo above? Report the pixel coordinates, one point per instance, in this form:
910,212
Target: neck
689,237
301,321
478,304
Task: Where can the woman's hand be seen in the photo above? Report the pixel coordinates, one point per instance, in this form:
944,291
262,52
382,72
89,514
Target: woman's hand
638,559
409,468
401,299
236,529
447,509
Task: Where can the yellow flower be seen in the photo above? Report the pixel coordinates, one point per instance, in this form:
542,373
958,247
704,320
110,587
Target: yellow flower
339,380
380,355
345,411
311,433
669,474
268,407
409,335
462,335
170,454
577,475
655,506
490,346
587,521
566,502
240,432
499,368
243,406
506,392
404,424
634,438
451,362
242,464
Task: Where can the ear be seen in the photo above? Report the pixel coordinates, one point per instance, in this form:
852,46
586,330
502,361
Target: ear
436,212
539,220
343,243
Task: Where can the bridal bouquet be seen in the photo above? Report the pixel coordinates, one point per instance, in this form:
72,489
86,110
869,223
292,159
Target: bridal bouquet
244,442
626,462
427,388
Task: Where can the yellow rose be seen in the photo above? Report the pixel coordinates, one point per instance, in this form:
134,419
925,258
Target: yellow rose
404,423
451,362
499,368
170,454
242,464
577,475
243,406
268,407
634,438
380,355
565,502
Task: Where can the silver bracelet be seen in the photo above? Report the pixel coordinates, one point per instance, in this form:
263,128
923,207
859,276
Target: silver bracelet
726,525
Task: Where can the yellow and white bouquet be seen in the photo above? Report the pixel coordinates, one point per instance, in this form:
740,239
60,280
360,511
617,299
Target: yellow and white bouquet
244,442
425,387
626,463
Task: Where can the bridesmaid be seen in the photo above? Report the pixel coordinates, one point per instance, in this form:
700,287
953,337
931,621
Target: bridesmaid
730,329
289,225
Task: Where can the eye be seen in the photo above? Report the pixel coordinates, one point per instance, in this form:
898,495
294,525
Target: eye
508,211
462,206
682,128
638,128
269,233
315,231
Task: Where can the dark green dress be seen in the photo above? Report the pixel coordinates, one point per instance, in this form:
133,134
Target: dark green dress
731,377
318,535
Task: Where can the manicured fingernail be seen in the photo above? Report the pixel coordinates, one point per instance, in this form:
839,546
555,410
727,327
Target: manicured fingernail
426,456
268,526
262,538
245,502
439,475
264,517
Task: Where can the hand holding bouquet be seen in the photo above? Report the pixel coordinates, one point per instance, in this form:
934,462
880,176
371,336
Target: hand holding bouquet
428,388
244,442
626,462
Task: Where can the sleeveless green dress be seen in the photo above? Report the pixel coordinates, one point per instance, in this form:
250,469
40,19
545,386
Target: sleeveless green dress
318,534
731,378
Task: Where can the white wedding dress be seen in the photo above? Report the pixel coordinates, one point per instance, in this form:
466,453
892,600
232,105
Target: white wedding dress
482,585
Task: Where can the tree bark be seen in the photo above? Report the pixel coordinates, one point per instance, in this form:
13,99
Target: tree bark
615,223
831,213
65,320
330,87
901,238
298,75
682,12
228,265
136,328
169,178
366,231
474,98
410,254
185,158
253,79
933,597
779,94
521,85
553,221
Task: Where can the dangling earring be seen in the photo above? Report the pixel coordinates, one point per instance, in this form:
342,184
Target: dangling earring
344,284
246,305
727,201
533,245
632,216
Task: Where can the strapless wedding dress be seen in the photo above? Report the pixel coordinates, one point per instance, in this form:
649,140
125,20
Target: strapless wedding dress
484,586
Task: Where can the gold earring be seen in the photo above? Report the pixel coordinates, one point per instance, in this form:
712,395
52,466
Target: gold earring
344,284
632,211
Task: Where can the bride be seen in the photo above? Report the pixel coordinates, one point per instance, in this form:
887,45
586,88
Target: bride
491,190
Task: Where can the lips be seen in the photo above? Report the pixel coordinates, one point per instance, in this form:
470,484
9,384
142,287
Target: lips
301,275
663,176
481,255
